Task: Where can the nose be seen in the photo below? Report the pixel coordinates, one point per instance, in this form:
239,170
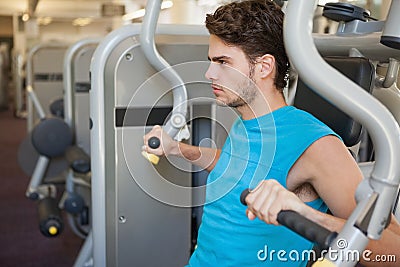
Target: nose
211,72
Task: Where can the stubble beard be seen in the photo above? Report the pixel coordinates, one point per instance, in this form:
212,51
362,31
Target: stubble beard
245,95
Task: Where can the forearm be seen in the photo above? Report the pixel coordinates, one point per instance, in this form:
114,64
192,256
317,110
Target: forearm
270,197
203,157
328,221
382,252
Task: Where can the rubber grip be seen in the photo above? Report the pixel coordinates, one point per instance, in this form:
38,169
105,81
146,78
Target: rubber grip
50,219
306,228
154,142
243,196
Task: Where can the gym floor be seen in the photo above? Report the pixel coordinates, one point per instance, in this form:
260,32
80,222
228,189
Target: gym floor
21,243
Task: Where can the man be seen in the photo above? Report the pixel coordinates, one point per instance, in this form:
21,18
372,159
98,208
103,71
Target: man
293,161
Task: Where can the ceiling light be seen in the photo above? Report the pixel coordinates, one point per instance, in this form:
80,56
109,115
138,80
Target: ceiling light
141,12
44,20
166,4
81,21
25,17
134,15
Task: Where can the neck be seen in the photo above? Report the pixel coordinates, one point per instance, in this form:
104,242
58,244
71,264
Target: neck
262,105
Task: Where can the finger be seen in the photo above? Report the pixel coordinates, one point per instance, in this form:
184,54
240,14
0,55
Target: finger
250,215
265,211
264,201
156,130
273,214
250,199
256,198
257,187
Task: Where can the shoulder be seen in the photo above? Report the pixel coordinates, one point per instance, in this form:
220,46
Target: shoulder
326,147
325,153
301,135
297,120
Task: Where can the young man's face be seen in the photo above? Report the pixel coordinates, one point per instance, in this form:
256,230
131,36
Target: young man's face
230,74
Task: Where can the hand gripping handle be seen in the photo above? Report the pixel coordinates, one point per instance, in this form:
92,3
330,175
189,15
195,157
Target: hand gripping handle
153,142
299,224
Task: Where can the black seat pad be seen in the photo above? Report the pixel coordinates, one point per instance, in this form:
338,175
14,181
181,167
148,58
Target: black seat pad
361,71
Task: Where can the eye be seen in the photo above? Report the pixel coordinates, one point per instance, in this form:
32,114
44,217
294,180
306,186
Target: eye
221,61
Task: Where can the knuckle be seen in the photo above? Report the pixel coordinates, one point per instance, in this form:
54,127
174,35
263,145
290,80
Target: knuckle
249,199
271,214
282,193
264,214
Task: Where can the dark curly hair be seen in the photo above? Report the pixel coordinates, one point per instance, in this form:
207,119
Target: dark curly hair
255,26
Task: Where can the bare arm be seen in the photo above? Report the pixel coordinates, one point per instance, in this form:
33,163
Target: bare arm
334,175
204,157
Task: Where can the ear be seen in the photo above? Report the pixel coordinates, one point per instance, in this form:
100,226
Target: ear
267,65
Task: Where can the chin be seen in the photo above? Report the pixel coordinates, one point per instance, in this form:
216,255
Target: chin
221,103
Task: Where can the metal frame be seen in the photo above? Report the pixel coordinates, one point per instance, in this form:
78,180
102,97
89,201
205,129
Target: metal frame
382,185
98,131
30,78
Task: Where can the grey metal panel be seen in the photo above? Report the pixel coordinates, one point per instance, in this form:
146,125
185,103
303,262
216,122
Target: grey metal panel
154,233
44,59
47,92
134,218
144,77
145,225
49,60
81,100
82,121
77,61
103,136
82,62
149,232
135,88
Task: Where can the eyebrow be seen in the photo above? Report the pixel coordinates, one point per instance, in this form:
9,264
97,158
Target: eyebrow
214,59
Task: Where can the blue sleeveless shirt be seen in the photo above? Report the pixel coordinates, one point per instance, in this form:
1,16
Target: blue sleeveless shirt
257,149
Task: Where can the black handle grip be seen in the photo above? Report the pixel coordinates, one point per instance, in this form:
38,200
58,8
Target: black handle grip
299,224
310,230
50,219
243,196
154,142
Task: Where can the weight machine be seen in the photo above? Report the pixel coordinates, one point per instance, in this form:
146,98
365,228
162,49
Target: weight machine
140,216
